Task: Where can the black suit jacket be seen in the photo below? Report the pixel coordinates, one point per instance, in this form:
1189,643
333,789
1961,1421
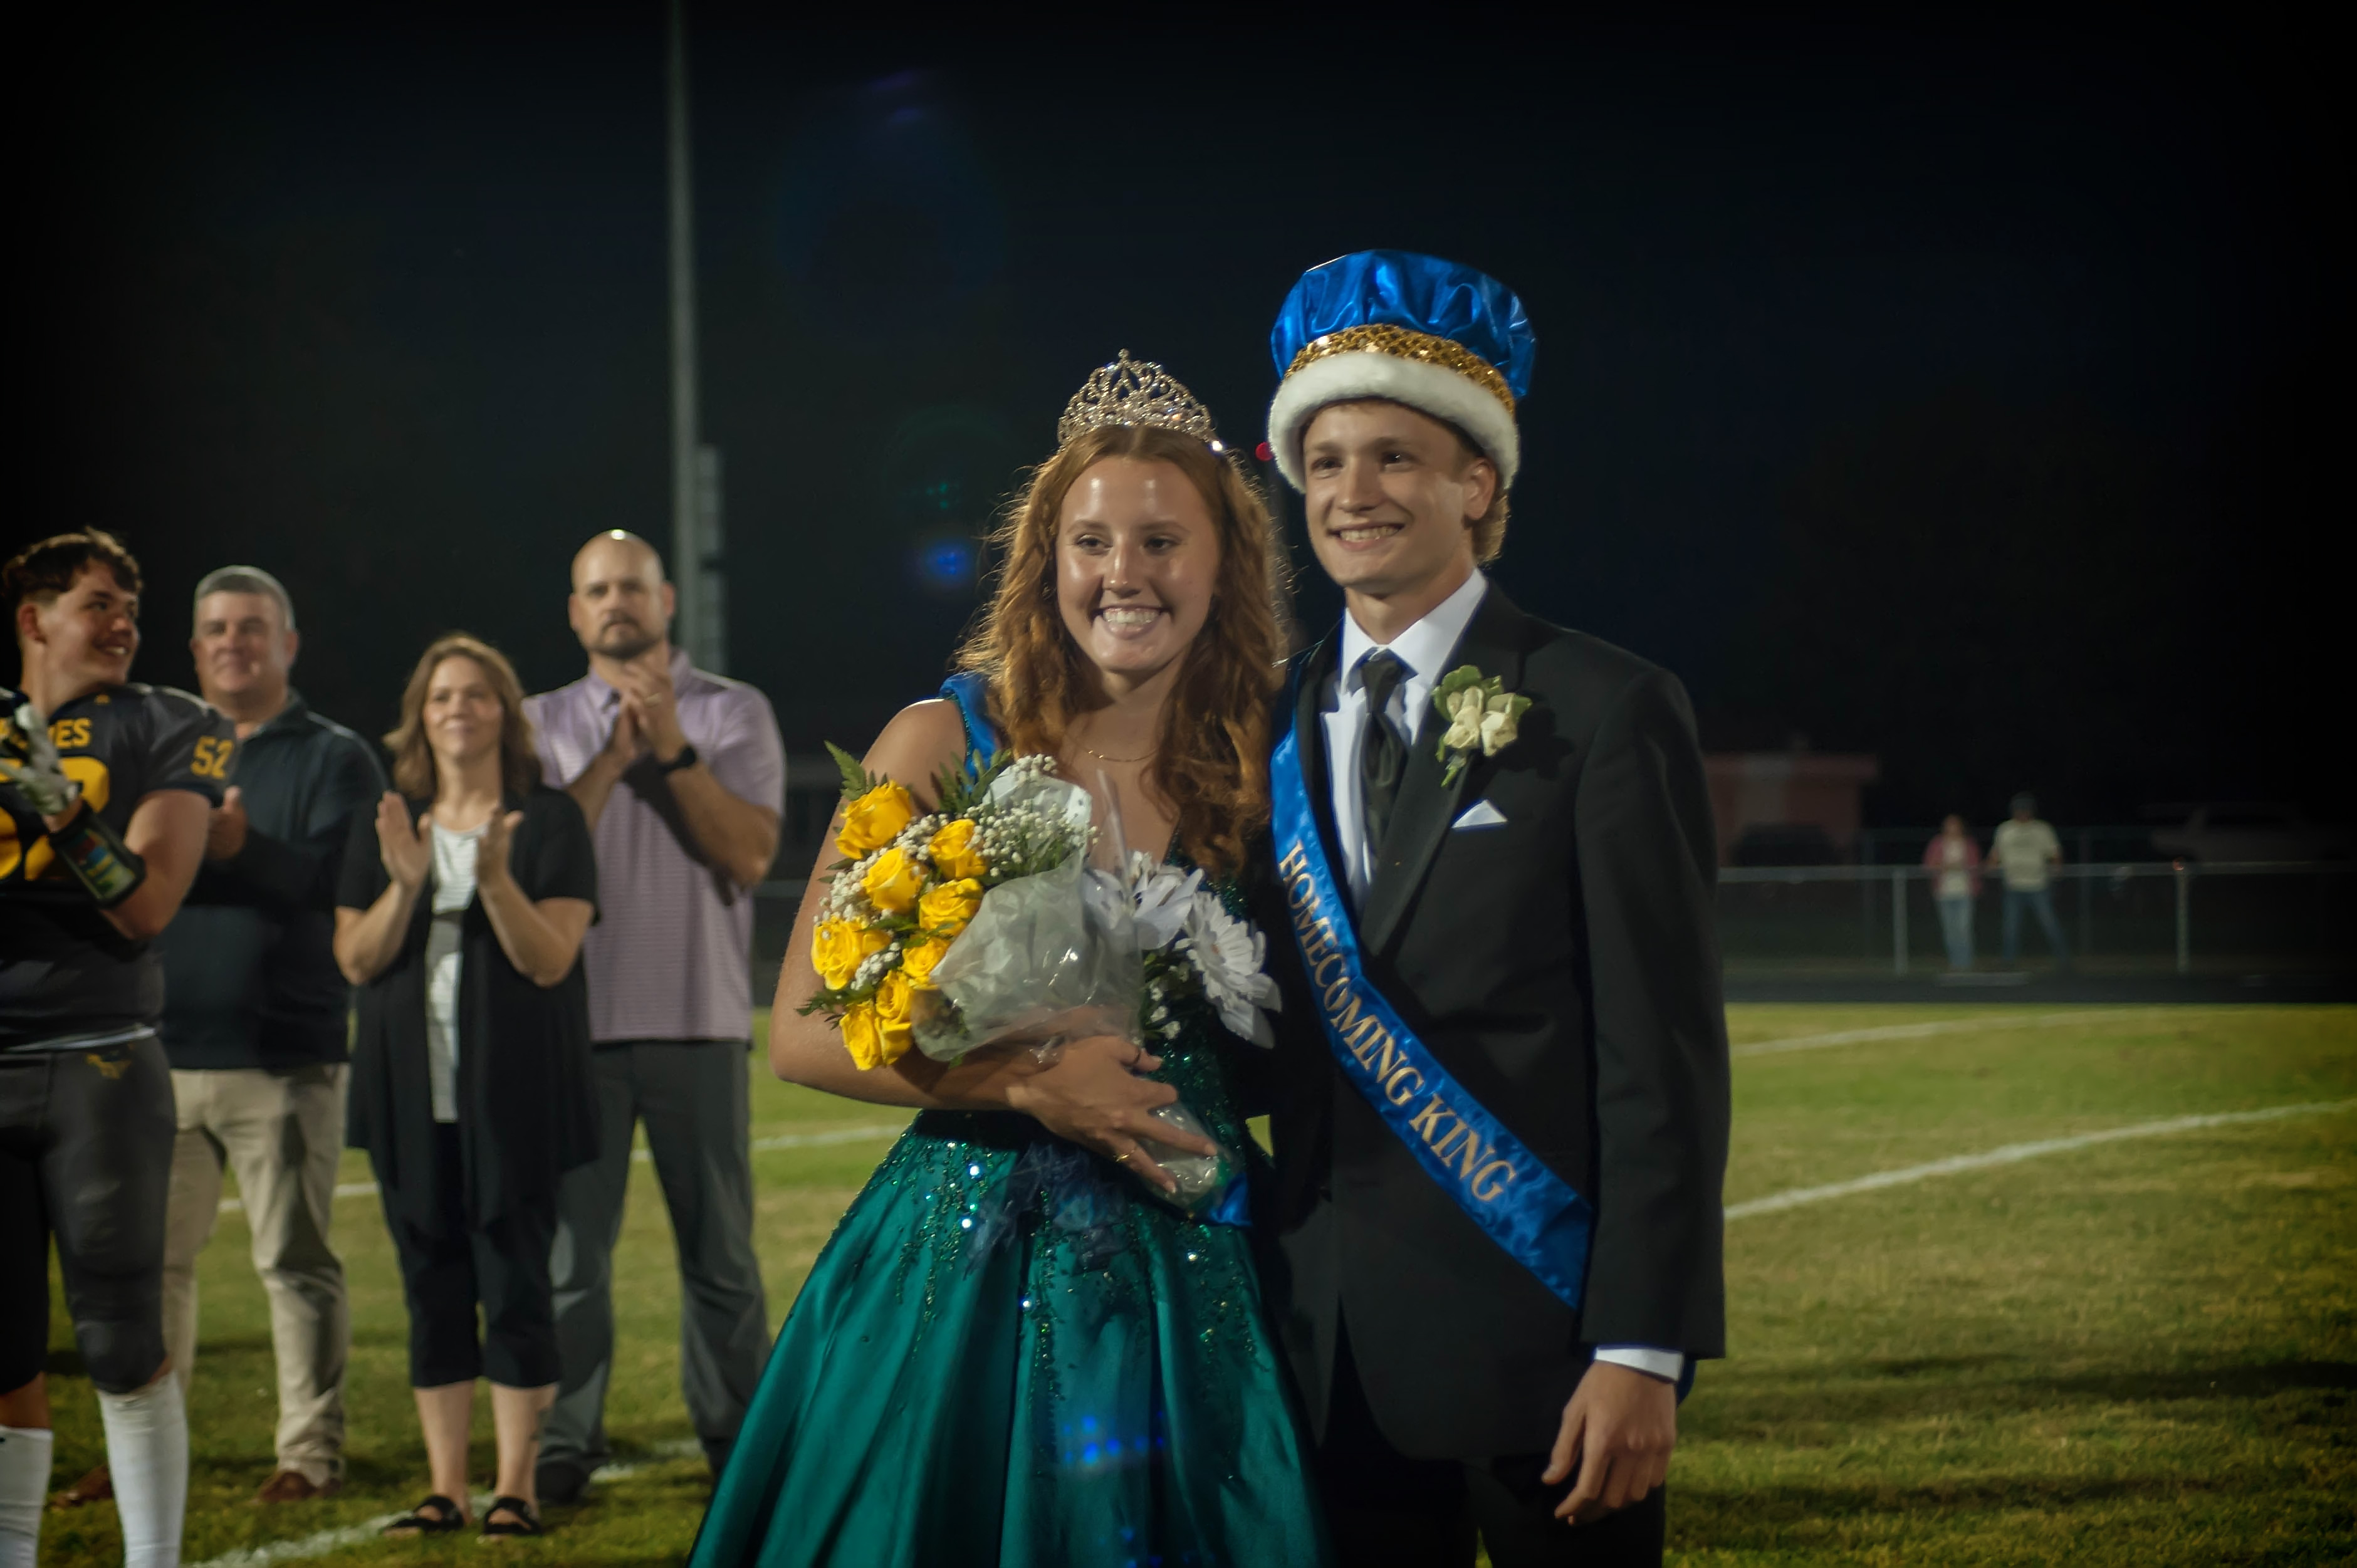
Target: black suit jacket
1564,967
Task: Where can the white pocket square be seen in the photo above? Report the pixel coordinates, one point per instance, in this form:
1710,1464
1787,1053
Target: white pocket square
1479,814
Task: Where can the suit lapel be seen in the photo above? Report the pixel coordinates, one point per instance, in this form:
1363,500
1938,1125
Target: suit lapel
1315,668
1426,807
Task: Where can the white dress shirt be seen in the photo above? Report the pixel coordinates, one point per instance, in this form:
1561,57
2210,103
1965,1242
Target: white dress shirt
1423,650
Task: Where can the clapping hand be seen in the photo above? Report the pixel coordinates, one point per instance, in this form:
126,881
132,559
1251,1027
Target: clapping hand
647,702
624,742
491,854
225,830
406,850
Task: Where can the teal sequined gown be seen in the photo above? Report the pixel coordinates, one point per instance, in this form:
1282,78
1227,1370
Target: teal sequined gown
1009,1354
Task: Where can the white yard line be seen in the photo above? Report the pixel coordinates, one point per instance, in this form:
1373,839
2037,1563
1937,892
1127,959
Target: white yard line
1910,1031
2011,1153
822,1140
321,1543
318,1545
759,1145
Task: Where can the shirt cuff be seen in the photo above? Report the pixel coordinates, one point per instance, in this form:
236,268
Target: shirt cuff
1667,1365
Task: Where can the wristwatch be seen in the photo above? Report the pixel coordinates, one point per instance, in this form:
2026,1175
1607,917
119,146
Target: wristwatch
686,759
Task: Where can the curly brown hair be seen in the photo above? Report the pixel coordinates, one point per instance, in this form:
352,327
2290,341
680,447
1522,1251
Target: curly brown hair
47,567
413,759
1216,773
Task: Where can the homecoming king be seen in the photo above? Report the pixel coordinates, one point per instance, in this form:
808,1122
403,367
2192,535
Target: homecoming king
1503,1116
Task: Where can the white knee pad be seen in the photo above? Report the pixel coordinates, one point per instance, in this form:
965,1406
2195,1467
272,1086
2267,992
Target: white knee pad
23,1484
148,1452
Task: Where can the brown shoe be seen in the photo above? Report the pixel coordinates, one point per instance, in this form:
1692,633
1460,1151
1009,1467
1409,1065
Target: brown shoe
294,1487
98,1486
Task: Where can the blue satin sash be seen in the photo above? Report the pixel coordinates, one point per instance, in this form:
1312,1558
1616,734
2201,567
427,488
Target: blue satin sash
1504,1189
970,689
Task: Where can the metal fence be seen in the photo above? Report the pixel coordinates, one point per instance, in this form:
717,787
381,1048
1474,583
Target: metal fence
2126,918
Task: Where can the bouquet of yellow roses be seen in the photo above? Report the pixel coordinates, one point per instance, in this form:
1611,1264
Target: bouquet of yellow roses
948,928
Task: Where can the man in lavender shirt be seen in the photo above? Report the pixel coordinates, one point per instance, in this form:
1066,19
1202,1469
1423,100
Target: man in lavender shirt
681,776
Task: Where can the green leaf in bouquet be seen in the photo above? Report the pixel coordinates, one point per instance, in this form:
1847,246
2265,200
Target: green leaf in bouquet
960,787
856,779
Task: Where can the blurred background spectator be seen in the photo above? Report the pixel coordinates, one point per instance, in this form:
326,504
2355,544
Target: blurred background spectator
2027,852
1954,858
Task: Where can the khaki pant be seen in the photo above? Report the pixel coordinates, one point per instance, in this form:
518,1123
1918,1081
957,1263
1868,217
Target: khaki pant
283,1131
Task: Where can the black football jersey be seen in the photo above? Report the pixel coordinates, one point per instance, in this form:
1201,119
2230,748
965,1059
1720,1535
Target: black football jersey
65,970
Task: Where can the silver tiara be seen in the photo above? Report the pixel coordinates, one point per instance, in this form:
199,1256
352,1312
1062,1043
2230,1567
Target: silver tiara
1135,391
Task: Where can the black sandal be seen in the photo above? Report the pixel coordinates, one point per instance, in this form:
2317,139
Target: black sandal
523,1519
446,1518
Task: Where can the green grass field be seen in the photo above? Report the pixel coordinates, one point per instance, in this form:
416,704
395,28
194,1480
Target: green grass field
2139,1351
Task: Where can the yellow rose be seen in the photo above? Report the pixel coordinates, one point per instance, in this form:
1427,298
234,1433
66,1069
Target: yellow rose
892,1003
838,946
892,883
874,820
861,1036
945,911
917,962
953,853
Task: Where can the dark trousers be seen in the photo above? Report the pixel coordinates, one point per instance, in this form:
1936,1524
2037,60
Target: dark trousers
693,1100
451,1264
1387,1510
2039,902
85,1151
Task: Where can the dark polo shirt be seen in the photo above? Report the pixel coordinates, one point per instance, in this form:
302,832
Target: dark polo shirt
250,976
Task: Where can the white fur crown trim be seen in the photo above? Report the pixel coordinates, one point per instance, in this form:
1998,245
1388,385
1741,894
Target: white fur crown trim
1423,386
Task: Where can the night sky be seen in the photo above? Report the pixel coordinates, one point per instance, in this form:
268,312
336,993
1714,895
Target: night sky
1971,393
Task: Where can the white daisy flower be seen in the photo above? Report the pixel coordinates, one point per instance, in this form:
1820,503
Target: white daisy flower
1230,954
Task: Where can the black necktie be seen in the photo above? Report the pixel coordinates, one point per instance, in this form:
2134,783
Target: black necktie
1383,755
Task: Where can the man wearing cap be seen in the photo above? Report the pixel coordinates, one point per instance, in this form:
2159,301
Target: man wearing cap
1502,1113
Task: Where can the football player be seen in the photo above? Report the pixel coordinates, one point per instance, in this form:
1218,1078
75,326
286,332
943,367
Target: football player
105,791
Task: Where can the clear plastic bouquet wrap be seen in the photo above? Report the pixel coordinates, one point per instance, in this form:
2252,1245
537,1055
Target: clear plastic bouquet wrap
1007,915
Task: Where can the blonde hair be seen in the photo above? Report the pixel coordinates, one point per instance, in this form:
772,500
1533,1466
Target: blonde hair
413,768
1211,763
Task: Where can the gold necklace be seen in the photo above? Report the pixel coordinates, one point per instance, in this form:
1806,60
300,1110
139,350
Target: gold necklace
1101,757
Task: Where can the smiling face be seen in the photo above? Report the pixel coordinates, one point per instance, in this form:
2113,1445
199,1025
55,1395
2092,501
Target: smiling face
463,712
243,646
1391,496
86,637
620,606
1138,556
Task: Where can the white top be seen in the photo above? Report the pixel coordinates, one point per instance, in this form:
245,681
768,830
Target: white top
453,888
1423,650
2024,849
1956,873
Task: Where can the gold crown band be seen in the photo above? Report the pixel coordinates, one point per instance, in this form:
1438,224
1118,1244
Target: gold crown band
1401,343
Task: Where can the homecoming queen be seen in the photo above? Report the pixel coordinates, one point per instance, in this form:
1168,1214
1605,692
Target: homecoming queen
1012,1350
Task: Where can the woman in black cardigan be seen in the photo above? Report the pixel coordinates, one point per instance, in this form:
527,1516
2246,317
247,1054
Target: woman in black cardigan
461,911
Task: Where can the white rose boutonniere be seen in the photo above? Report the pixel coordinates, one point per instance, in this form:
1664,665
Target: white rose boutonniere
1481,715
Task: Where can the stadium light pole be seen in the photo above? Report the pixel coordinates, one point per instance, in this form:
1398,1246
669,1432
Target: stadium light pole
697,543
